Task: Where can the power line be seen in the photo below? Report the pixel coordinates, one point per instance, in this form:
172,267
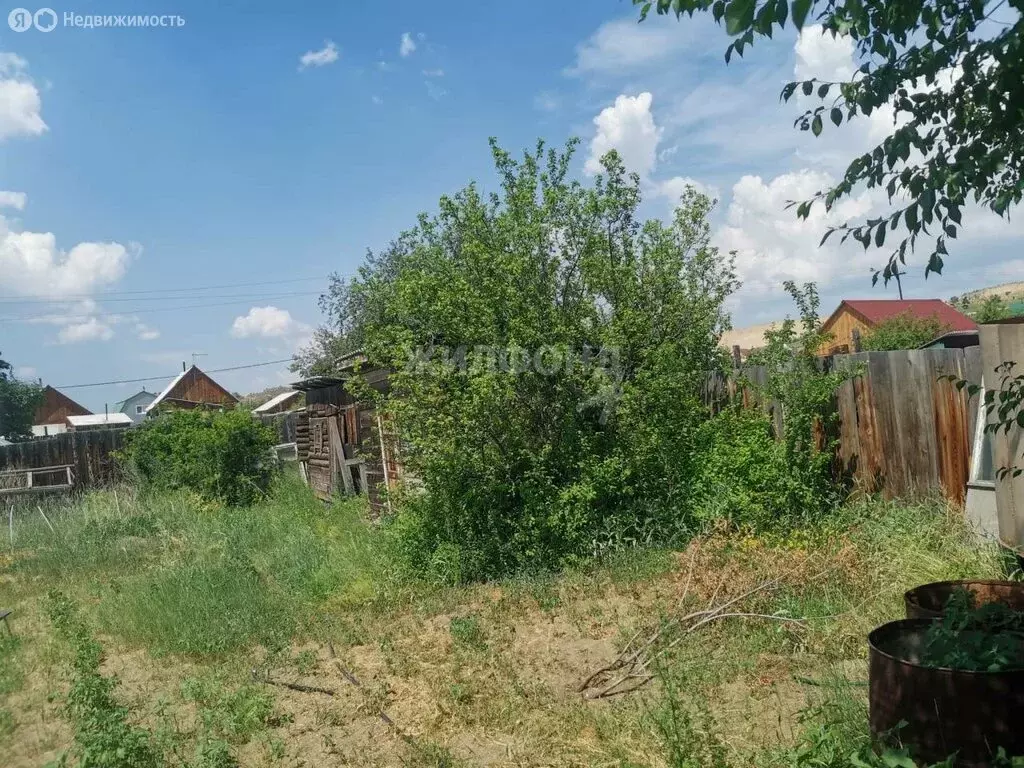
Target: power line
144,311
4,300
165,378
171,290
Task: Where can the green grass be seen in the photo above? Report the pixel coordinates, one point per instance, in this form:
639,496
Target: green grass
211,593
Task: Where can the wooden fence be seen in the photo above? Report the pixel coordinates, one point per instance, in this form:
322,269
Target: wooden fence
903,430
87,453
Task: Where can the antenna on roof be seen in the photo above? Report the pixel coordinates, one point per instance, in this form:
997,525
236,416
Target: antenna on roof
196,355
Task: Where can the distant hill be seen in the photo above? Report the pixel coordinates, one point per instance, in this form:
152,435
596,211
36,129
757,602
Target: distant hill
1011,293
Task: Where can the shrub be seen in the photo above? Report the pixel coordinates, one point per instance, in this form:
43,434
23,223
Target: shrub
902,332
223,456
535,468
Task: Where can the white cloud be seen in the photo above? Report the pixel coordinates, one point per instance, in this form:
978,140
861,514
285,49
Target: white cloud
145,333
773,245
674,188
326,55
624,44
407,46
268,323
31,263
822,55
88,330
627,126
433,72
14,200
25,372
20,103
377,100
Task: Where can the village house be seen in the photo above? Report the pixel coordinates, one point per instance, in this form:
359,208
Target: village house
853,318
135,406
192,389
53,411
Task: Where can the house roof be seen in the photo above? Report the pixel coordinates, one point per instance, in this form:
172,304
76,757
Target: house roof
167,393
875,311
318,382
277,400
98,419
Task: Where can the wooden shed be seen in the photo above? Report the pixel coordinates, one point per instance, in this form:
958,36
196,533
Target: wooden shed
52,412
342,444
193,389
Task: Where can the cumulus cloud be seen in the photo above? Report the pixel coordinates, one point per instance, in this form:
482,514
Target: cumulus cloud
823,55
326,55
674,188
773,245
433,72
623,44
268,323
407,46
14,200
88,330
31,263
20,103
628,127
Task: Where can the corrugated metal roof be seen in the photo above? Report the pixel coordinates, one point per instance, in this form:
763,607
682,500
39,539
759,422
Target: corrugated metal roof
100,419
879,310
317,382
167,390
276,400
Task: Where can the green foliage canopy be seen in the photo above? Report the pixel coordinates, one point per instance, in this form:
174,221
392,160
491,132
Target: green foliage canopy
18,402
952,71
222,456
902,332
551,460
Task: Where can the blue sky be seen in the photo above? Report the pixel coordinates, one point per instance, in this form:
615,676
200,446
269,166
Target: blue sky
273,143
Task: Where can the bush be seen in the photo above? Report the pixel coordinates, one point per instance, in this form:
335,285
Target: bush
902,332
529,467
222,456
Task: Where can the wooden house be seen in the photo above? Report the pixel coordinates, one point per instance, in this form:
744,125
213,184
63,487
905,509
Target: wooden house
343,445
52,412
853,318
192,389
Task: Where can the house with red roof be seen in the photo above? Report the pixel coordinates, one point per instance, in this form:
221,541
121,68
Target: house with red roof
862,315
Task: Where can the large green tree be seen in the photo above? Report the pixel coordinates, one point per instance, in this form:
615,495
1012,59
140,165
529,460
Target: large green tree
18,401
952,71
488,311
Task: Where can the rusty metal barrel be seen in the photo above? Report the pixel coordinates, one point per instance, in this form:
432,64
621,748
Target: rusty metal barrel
929,600
945,711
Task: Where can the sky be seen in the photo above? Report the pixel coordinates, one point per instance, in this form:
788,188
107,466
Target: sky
179,193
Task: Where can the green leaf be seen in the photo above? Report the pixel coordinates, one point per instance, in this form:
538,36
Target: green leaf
816,125
837,115
911,217
800,10
808,87
781,12
739,15
880,235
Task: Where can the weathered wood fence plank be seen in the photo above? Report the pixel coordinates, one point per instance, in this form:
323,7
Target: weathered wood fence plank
903,429
90,454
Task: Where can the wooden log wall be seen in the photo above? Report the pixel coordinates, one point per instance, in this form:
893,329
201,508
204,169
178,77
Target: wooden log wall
89,453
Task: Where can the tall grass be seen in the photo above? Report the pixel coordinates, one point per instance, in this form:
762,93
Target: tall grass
178,574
